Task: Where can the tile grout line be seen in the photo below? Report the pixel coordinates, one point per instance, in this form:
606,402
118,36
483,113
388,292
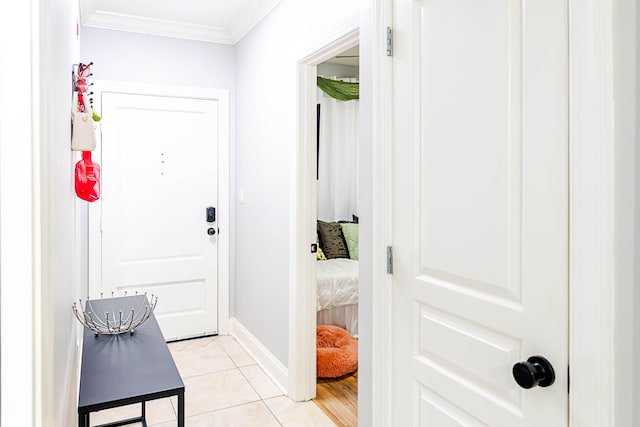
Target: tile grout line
275,417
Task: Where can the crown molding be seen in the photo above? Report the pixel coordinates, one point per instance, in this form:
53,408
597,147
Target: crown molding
156,27
237,28
243,23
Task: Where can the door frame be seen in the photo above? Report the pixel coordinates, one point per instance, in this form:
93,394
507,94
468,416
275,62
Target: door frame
302,288
591,207
27,357
223,208
591,191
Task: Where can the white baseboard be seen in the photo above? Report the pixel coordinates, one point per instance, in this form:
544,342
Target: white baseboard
273,368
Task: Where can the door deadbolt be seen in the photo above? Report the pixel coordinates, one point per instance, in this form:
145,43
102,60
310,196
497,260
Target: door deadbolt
211,214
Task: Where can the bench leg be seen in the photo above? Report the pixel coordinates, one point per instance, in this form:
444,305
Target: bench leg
144,414
83,420
181,409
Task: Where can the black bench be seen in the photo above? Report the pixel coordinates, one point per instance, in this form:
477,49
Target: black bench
123,369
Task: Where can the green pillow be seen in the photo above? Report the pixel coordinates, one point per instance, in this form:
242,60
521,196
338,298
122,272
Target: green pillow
350,233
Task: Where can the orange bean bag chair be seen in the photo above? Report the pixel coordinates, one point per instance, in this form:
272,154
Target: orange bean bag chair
336,352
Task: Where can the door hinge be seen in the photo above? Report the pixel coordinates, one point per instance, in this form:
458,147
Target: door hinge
389,41
568,380
389,259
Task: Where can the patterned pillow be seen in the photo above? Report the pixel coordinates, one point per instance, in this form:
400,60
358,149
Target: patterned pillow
320,255
350,233
332,240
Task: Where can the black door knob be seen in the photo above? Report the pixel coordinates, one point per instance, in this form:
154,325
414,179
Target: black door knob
535,371
211,231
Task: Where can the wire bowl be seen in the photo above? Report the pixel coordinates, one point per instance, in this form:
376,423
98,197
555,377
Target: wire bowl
96,316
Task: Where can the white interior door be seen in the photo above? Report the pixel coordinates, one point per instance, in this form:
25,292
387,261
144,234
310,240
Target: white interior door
159,175
480,210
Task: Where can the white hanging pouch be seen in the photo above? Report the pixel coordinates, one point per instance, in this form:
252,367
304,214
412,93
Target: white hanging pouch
84,135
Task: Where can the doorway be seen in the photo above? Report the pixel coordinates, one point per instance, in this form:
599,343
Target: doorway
303,292
337,268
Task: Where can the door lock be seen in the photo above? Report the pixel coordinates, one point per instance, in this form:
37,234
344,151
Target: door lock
211,231
211,214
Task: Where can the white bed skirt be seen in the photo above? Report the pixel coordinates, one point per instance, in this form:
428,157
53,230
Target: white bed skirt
345,317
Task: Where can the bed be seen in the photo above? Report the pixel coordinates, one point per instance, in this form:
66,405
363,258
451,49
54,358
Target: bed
337,274
337,293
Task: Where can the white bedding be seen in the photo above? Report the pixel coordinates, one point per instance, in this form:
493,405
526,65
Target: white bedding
337,283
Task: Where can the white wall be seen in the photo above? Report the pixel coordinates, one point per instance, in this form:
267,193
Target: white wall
133,57
627,206
635,321
266,143
61,233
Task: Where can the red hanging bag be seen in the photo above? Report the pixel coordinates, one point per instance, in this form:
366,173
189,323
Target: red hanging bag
87,178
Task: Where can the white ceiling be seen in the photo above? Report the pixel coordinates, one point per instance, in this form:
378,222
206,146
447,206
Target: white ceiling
350,57
218,21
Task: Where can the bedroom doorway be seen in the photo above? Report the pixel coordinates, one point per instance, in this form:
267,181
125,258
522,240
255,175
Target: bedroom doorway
337,270
303,299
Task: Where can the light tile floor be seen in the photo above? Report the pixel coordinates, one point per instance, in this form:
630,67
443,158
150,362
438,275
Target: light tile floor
224,387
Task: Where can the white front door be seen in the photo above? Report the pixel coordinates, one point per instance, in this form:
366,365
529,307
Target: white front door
159,176
480,228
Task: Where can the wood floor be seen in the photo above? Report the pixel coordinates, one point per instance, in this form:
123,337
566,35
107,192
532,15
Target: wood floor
338,398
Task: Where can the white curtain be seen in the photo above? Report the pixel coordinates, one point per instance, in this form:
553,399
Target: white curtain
338,158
